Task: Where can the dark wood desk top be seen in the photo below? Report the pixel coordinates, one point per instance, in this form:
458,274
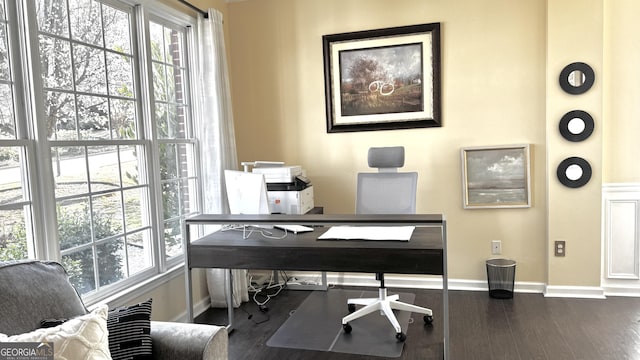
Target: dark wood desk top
319,219
423,254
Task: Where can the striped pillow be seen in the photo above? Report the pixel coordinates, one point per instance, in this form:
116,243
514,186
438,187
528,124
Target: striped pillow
130,332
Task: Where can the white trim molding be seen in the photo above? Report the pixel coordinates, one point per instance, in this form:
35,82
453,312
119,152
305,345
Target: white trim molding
587,292
621,239
410,281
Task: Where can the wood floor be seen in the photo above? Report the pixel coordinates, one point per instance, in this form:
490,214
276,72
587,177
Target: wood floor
529,326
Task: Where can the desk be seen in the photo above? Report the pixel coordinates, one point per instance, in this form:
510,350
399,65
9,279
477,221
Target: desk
425,253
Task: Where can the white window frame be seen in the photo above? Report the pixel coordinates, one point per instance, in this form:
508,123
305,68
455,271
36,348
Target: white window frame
29,105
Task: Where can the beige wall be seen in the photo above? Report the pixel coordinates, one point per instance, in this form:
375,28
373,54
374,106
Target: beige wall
493,91
621,91
500,65
574,34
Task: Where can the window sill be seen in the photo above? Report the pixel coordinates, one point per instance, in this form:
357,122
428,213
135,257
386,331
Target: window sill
126,296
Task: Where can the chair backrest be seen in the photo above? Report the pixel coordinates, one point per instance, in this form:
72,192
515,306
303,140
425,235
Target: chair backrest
387,191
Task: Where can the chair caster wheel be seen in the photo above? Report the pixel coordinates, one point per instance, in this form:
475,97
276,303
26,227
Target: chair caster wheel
351,307
401,337
428,319
347,328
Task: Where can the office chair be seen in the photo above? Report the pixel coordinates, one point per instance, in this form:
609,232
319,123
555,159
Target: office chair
385,192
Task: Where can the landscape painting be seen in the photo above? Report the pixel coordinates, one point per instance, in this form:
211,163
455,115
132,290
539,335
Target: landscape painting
383,79
496,177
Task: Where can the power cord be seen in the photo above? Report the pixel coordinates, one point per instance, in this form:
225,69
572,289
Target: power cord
247,231
262,294
250,315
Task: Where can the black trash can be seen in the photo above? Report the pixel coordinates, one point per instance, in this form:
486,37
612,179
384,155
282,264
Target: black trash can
501,274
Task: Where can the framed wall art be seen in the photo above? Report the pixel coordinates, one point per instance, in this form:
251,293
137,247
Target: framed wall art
383,79
496,177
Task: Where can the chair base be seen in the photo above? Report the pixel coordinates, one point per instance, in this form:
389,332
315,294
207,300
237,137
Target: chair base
385,304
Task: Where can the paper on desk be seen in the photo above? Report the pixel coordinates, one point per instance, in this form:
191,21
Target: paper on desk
398,233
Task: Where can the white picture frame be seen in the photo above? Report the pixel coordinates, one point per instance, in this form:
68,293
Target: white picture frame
496,176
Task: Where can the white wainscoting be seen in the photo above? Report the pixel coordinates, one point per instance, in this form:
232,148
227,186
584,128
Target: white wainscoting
621,239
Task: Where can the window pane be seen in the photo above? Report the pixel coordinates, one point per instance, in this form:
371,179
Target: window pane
11,187
123,119
74,223
139,252
79,266
104,168
93,117
52,17
173,237
7,116
135,212
173,46
159,82
85,21
170,120
191,205
61,116
116,30
69,170
129,163
168,161
171,198
13,234
5,73
157,41
107,215
55,63
90,70
111,261
184,197
120,69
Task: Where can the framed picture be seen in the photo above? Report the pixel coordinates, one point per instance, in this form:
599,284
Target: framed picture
496,177
383,79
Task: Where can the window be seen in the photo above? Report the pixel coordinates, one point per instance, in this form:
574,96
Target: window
16,239
175,143
122,171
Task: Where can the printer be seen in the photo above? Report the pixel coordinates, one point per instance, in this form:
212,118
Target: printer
289,191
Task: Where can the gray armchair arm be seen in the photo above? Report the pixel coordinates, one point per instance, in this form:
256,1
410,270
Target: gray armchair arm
172,340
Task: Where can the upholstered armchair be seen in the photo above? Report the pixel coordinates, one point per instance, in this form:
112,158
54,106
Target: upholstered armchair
35,291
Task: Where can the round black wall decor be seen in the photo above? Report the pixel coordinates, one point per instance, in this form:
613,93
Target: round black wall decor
576,125
574,172
576,78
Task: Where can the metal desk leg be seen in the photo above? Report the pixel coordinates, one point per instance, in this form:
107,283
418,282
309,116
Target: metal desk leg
188,297
229,285
187,276
445,291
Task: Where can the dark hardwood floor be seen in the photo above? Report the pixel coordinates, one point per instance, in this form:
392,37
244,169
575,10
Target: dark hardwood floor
529,326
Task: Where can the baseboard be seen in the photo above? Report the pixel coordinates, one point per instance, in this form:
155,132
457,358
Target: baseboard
435,282
415,282
589,292
198,308
621,291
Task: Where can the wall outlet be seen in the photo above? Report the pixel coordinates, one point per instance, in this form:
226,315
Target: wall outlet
560,248
496,247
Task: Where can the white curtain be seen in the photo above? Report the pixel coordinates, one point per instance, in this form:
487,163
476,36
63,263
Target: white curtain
217,141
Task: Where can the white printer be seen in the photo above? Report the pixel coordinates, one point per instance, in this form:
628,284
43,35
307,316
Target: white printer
288,190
